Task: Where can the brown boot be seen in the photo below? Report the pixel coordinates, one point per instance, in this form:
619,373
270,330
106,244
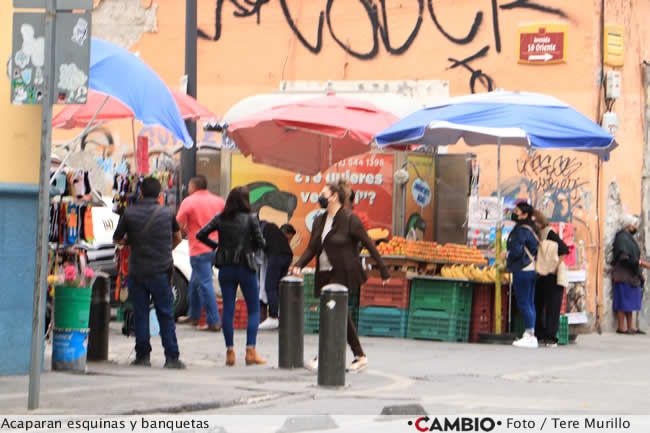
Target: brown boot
252,358
230,357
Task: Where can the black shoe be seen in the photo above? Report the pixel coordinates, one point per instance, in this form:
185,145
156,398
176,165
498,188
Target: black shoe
141,362
175,364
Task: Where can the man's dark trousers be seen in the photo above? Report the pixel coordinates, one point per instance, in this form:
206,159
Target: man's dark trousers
142,290
277,268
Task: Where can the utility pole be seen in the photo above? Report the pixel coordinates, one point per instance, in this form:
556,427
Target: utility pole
46,92
188,156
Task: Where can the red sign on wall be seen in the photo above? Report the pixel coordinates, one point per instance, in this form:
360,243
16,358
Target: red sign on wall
542,45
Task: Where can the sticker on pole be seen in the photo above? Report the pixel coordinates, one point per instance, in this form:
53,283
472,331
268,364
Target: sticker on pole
421,192
331,304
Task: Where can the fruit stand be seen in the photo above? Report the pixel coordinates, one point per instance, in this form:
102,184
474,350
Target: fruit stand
436,292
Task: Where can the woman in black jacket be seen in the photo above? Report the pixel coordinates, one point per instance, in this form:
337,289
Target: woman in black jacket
240,237
335,239
548,293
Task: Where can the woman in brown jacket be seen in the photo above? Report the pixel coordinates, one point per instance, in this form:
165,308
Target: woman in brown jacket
335,239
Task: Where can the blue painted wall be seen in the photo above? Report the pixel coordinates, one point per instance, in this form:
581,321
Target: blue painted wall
18,223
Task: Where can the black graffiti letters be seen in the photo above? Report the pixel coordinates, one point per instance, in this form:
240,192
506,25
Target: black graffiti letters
313,48
526,4
476,74
371,11
385,37
553,174
377,16
478,19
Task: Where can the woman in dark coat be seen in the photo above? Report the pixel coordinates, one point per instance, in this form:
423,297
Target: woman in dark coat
334,242
548,293
627,278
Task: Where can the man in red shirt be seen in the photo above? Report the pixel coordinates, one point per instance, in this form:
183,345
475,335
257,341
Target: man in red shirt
195,212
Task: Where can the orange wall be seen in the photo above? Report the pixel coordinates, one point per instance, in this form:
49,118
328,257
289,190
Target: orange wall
252,57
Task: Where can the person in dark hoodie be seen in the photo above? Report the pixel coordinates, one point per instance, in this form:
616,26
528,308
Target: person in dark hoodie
522,250
627,278
548,290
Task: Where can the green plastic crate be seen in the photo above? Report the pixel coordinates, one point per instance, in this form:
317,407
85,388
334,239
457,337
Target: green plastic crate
312,312
438,325
383,322
441,295
563,331
308,286
312,316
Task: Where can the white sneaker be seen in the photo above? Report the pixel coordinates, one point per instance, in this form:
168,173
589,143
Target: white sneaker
313,364
269,324
527,341
358,364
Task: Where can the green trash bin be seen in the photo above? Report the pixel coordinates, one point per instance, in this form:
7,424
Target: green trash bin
72,307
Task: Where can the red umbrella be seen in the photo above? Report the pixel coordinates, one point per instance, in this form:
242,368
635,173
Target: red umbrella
310,136
78,116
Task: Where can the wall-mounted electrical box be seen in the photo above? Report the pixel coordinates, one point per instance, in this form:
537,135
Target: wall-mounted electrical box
610,122
613,85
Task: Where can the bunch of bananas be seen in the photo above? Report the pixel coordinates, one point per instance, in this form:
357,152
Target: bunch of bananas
486,274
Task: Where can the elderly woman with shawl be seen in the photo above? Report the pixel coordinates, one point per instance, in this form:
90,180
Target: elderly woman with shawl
627,278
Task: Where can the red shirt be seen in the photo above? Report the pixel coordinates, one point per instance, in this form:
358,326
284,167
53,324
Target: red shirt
195,212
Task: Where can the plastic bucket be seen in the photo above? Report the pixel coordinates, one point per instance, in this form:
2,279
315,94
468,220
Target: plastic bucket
72,307
69,349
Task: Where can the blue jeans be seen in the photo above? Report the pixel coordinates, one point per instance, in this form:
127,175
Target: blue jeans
141,291
524,284
201,289
229,278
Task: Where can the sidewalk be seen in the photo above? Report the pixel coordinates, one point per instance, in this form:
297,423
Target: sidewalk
601,374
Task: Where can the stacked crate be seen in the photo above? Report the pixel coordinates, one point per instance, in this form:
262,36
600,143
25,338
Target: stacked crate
483,303
241,313
311,305
563,331
384,309
439,309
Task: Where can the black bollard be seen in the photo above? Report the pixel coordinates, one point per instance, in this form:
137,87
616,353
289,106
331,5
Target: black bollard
291,333
332,339
100,317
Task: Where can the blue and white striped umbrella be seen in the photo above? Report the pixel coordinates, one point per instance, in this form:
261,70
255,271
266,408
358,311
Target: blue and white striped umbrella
501,117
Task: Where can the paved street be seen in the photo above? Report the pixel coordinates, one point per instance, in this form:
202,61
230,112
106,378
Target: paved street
600,374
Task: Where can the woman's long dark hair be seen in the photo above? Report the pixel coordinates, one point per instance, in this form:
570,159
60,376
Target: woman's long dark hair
238,201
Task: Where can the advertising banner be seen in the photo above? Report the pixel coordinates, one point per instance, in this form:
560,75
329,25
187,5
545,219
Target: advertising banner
420,198
283,197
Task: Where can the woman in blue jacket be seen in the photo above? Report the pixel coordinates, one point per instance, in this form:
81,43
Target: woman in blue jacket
522,250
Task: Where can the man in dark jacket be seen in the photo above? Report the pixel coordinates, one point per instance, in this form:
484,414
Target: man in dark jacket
152,233
278,260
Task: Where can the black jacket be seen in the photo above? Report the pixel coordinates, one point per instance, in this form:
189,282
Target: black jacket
239,238
342,248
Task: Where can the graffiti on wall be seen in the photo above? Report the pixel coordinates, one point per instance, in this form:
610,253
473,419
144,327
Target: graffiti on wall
377,14
553,184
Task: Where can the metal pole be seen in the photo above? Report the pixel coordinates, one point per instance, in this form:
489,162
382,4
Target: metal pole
291,332
497,285
188,156
332,336
40,284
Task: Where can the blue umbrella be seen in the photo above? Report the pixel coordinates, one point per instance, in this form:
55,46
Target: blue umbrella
500,117
122,75
517,118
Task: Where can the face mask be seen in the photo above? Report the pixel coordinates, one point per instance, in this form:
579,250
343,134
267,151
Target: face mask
514,217
323,201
